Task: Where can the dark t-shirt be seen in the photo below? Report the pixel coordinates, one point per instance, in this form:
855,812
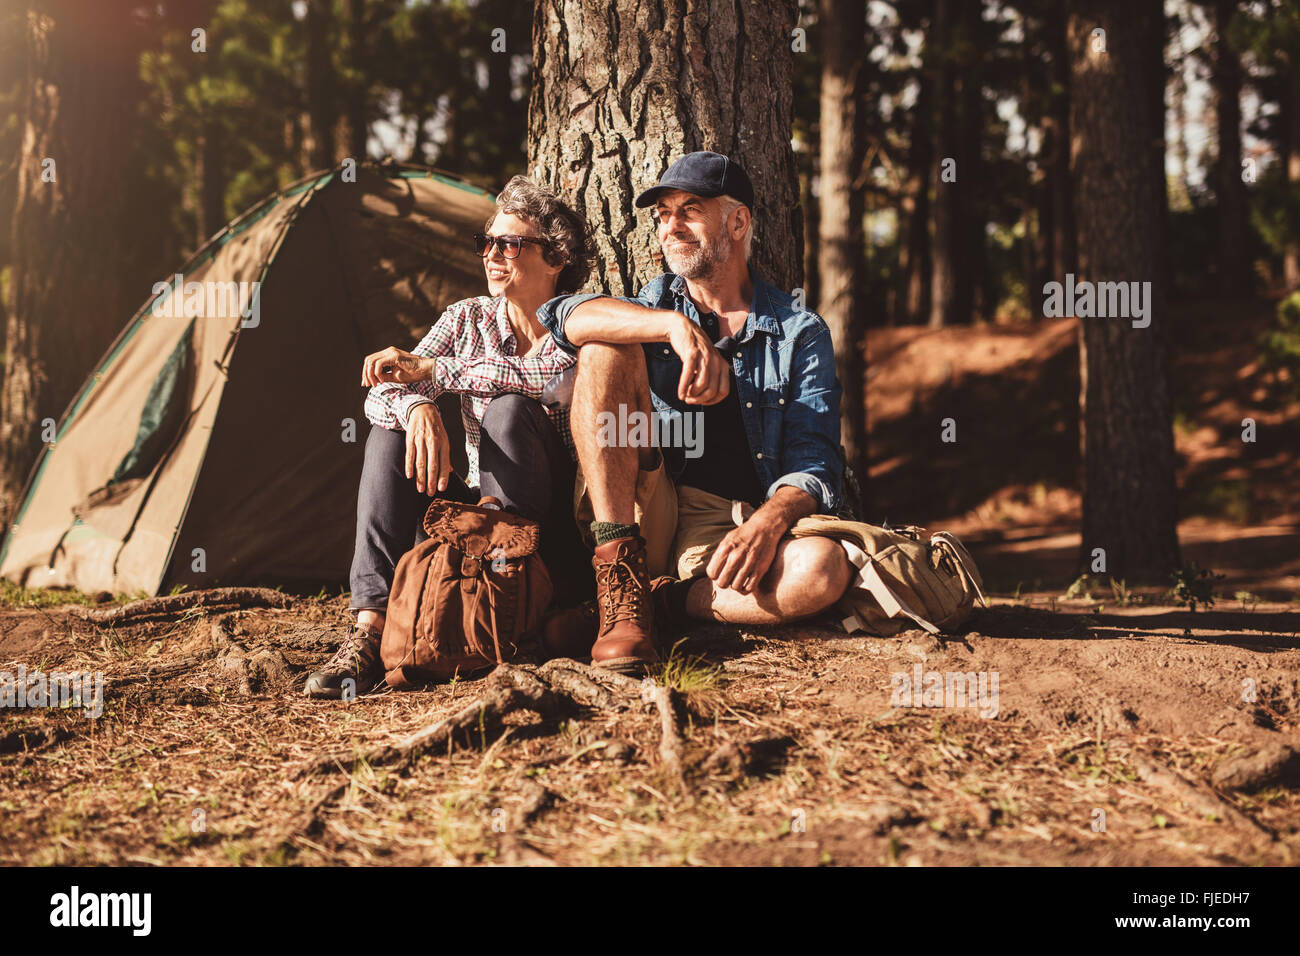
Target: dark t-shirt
726,465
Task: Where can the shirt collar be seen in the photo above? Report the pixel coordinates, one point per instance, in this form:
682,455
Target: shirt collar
504,330
762,317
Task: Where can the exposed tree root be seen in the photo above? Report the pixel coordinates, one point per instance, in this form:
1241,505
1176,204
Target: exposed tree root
224,598
1201,801
670,746
558,688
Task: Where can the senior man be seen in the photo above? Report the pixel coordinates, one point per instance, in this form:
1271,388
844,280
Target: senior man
713,340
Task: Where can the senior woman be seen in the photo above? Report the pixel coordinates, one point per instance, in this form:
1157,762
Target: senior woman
494,352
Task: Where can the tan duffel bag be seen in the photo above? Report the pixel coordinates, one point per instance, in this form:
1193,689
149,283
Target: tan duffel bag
905,576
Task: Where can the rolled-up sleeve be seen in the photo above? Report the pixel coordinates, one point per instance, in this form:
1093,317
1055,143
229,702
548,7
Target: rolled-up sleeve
811,456
389,404
555,312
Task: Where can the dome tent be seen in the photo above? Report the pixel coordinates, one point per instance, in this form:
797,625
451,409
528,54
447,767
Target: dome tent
216,448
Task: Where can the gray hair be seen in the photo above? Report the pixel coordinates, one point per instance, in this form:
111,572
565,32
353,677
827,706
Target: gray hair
567,235
730,205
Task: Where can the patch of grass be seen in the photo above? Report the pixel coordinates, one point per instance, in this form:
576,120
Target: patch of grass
1123,596
1082,587
1193,585
13,595
689,674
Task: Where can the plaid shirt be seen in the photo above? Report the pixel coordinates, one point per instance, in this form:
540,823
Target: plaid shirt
474,346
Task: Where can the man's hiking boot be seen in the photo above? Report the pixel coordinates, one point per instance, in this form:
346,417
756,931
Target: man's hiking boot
357,659
625,641
570,632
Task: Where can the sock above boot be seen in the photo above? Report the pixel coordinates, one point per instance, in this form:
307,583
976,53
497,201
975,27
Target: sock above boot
607,531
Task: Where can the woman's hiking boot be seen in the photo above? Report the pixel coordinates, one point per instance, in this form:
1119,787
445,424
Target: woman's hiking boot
624,642
357,660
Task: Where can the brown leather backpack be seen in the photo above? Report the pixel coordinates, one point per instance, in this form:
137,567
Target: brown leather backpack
468,598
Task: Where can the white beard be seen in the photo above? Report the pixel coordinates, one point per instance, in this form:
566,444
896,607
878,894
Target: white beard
701,260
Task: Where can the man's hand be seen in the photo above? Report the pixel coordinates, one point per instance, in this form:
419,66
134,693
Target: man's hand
706,375
746,553
428,457
395,365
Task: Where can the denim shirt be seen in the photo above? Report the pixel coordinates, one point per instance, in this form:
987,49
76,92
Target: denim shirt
785,379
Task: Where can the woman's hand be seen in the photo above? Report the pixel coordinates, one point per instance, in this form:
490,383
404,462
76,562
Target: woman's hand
395,365
428,452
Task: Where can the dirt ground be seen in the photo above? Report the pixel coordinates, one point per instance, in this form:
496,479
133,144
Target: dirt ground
1114,742
1125,730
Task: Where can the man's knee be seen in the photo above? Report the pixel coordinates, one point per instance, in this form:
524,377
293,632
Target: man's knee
816,570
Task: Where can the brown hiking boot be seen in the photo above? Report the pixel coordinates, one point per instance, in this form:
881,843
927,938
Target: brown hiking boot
357,660
570,632
625,642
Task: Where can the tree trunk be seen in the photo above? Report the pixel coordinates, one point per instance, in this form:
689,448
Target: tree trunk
916,268
71,285
211,205
1064,230
842,265
322,103
212,183
947,226
1181,146
1234,261
1128,453
358,125
1291,251
623,88
812,224
973,276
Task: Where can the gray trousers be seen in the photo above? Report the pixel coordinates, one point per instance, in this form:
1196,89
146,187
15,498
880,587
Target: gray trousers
522,462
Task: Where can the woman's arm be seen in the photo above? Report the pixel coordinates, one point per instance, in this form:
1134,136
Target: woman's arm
401,380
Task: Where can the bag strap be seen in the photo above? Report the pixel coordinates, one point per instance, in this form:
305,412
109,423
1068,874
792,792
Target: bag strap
869,579
956,550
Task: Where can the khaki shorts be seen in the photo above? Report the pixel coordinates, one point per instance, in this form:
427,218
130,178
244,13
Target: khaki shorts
682,526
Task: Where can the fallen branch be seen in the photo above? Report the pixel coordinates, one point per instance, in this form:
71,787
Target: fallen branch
224,598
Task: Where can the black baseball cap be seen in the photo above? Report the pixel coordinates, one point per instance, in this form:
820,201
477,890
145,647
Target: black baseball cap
704,174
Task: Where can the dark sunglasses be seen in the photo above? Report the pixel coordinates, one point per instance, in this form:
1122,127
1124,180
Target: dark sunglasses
509,245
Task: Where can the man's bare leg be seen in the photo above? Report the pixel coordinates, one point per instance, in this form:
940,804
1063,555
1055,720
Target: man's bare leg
807,576
609,376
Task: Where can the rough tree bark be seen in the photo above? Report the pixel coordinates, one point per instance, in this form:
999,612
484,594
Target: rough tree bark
1234,262
623,88
70,289
1128,453
841,266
